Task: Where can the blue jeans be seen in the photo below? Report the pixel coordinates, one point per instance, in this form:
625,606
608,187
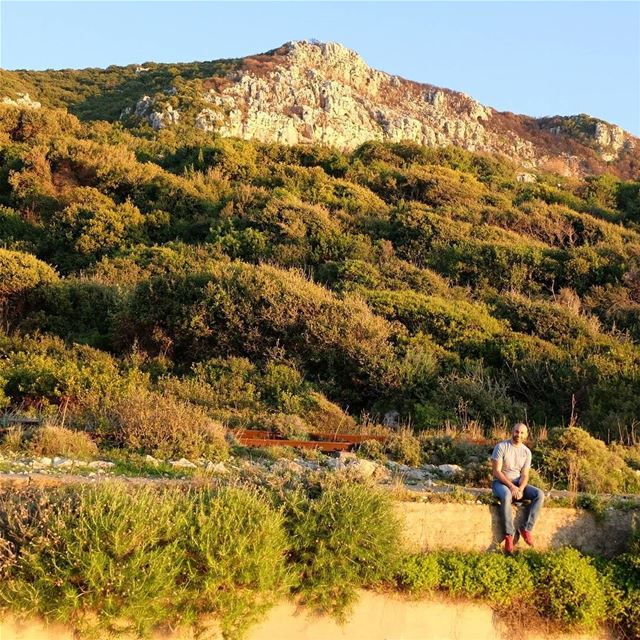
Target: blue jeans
534,494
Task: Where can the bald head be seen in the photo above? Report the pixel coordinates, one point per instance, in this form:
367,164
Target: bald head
519,432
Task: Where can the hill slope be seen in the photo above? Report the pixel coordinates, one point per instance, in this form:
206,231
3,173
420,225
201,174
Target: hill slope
430,282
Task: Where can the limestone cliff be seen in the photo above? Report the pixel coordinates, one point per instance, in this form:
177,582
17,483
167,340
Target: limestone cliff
311,92
308,92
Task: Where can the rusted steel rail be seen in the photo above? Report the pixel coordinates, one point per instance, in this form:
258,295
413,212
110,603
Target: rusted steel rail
318,440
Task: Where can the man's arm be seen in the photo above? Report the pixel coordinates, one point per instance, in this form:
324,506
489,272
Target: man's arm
498,475
524,479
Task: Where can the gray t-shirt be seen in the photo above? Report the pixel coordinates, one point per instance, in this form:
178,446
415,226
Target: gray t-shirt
514,458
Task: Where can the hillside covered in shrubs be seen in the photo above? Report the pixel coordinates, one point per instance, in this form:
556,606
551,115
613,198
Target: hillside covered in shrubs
157,287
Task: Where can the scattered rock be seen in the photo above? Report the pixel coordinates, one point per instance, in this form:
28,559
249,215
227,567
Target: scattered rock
101,464
335,464
217,467
364,468
183,463
151,460
449,470
287,466
59,461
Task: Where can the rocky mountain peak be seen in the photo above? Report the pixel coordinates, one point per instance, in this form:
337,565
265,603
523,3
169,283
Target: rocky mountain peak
307,92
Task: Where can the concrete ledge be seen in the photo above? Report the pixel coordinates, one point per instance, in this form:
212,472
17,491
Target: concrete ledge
476,527
374,617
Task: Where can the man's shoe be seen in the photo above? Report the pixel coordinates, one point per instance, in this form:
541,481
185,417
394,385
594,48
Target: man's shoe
526,536
508,544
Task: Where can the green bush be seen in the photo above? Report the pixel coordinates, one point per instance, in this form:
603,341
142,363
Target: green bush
419,574
578,461
20,272
46,371
570,589
404,447
147,422
489,576
448,450
346,538
502,581
372,450
131,559
239,310
456,574
51,440
104,551
76,310
455,324
236,547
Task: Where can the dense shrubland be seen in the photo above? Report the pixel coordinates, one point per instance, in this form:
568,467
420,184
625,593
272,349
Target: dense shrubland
111,558
246,284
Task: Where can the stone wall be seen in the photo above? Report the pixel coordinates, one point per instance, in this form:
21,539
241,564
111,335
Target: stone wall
474,527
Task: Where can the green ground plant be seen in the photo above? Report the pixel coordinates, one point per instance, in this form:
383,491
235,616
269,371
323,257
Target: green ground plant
576,460
105,552
143,421
236,547
574,592
343,539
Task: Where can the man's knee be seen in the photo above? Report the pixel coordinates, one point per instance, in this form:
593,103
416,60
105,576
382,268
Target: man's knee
537,495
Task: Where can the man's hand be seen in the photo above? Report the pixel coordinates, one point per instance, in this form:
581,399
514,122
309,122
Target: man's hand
516,491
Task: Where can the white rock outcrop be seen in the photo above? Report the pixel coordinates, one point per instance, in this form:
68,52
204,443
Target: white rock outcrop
22,100
327,93
312,92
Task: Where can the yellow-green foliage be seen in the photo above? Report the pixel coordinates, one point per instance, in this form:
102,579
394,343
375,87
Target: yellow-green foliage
345,538
573,593
44,370
455,324
131,559
93,224
428,281
163,426
581,462
238,309
125,558
20,272
550,321
563,585
116,558
51,440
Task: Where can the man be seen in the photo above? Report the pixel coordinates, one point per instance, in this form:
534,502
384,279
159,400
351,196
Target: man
511,463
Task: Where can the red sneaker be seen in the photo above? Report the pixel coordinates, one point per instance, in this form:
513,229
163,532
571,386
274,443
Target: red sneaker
508,544
526,536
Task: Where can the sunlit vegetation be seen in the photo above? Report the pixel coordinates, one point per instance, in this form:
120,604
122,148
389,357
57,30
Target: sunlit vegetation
425,281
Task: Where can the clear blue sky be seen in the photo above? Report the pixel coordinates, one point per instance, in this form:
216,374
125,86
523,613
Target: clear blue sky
538,58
